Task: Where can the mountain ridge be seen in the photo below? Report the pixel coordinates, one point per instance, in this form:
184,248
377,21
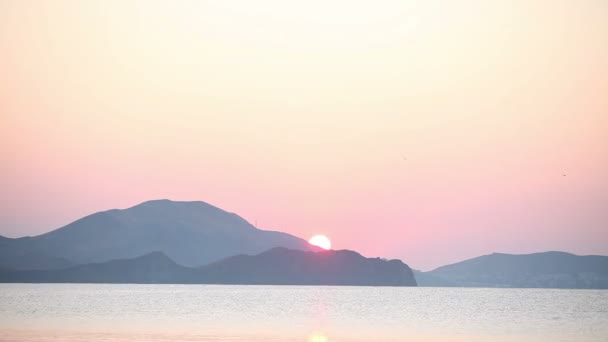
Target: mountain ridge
193,233
553,269
277,266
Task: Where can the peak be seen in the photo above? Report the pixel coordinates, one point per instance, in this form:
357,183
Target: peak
551,253
555,253
163,206
349,252
167,203
156,256
161,200
164,201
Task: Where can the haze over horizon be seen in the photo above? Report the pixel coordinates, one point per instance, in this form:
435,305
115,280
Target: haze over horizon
425,131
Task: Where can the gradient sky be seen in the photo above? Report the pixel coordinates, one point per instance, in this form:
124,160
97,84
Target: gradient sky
430,131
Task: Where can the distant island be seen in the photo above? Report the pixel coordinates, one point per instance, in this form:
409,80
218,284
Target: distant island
278,266
164,241
540,270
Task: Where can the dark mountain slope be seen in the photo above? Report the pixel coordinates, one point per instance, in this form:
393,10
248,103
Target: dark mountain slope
278,266
150,268
284,266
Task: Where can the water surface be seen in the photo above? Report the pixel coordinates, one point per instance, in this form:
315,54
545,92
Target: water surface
103,312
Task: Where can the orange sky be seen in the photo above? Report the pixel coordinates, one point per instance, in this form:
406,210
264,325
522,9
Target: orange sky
425,130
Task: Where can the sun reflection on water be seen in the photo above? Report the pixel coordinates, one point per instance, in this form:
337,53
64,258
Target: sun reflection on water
318,337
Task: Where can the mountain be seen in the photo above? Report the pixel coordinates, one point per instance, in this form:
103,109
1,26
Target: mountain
278,266
547,270
191,233
291,267
154,267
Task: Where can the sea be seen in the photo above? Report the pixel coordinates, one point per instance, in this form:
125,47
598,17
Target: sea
133,312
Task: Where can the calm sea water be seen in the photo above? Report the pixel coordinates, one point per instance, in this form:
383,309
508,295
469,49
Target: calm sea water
94,312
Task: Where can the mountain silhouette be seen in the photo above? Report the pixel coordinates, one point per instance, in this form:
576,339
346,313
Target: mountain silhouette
292,267
278,266
191,233
547,270
154,267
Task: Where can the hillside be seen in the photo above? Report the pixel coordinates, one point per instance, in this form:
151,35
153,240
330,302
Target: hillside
191,233
278,266
548,270
292,267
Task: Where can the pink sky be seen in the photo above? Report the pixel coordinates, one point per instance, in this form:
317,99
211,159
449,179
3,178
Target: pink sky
426,131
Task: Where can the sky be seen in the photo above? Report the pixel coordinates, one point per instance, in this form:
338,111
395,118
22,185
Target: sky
431,131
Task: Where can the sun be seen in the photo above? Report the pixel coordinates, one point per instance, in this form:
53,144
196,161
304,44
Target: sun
321,241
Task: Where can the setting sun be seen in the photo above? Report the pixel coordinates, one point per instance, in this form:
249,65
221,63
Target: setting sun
183,150
321,241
